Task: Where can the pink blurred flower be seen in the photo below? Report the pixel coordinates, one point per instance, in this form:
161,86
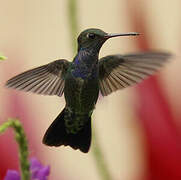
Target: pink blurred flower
160,128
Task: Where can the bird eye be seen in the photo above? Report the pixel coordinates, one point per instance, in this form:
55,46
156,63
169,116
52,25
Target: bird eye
91,35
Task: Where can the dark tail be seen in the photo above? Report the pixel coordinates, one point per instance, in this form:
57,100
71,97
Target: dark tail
56,135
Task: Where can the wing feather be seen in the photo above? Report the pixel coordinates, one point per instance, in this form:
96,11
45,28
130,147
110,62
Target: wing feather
47,79
117,71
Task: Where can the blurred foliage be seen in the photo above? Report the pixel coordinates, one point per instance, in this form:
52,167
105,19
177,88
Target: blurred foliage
2,57
23,145
73,22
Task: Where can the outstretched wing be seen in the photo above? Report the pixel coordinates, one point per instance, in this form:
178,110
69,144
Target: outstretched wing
117,71
47,79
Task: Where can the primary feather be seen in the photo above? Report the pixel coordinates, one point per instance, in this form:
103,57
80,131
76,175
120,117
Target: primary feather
119,71
47,79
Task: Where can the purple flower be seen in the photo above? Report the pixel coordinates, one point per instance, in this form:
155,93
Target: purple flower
12,175
38,171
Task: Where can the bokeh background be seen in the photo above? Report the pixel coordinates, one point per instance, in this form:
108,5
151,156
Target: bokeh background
138,128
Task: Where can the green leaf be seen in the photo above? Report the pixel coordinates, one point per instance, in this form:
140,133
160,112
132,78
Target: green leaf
3,57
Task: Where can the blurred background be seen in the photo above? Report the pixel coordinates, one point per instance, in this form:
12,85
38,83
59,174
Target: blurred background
138,128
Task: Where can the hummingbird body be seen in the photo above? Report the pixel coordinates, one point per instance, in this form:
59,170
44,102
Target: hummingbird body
81,81
81,87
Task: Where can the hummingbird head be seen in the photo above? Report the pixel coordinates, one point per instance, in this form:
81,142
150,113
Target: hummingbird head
95,38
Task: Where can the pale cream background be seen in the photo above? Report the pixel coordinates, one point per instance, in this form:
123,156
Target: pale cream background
35,32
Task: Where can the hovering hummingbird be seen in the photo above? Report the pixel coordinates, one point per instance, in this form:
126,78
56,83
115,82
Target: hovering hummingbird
81,81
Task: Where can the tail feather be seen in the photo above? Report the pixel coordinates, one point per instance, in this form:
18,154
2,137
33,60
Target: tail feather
56,135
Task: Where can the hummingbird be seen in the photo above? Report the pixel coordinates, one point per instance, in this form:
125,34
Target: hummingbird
81,81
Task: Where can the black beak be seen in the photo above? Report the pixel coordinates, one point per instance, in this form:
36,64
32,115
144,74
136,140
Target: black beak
107,36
